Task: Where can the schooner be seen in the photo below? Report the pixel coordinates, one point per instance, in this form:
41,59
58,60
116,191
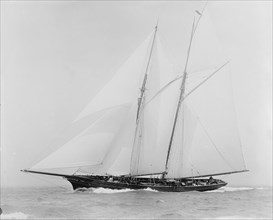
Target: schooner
154,128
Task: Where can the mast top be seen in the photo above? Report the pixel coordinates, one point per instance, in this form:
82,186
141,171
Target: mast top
157,21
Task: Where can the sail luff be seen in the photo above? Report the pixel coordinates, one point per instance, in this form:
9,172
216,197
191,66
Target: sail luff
143,87
141,100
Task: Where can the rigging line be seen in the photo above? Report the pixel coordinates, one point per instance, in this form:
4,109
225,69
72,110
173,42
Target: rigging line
205,80
200,71
75,166
237,127
197,75
107,109
169,51
140,146
163,88
104,160
137,141
213,143
194,168
179,150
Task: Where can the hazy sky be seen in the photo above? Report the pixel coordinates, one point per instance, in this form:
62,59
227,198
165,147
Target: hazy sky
56,55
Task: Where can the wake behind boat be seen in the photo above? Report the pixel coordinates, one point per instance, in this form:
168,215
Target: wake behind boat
170,135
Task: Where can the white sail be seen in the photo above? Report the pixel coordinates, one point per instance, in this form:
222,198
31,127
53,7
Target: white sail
207,139
206,49
124,86
153,130
182,142
117,160
89,147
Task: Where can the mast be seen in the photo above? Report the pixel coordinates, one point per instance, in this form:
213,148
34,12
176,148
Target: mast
181,98
143,87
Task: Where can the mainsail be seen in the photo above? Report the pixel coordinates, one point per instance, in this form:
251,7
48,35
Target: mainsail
189,117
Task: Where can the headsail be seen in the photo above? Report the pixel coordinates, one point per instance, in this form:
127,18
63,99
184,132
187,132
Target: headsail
90,148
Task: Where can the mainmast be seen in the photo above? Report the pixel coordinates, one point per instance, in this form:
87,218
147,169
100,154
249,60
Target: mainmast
143,87
181,98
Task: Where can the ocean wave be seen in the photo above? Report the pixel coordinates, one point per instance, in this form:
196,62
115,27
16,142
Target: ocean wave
14,215
149,190
232,217
109,191
230,189
260,188
103,190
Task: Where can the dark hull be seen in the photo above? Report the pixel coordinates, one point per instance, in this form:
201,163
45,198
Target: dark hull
98,183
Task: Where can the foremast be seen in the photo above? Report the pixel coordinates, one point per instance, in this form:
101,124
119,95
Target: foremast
143,87
141,99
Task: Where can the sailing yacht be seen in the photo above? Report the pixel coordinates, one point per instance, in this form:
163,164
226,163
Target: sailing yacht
155,128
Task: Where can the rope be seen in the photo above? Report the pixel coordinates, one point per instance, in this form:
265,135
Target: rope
240,142
214,144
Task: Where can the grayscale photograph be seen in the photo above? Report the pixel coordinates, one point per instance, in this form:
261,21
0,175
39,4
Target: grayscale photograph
136,109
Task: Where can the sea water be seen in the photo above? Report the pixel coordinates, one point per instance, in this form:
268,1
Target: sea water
59,203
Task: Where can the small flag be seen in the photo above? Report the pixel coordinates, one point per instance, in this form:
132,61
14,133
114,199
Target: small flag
198,12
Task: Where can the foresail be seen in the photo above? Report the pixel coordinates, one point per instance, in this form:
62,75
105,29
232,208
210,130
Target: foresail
152,133
91,146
